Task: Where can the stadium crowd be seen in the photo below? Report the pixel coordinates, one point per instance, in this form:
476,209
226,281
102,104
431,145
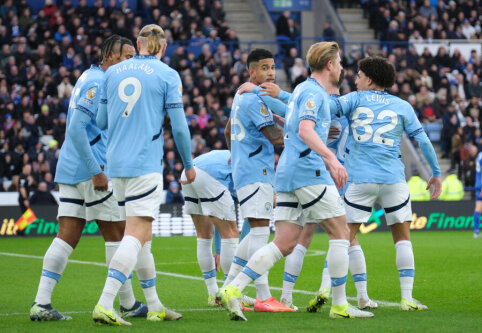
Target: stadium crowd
43,55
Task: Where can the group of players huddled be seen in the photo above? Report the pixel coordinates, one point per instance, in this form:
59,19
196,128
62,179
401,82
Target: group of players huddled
114,130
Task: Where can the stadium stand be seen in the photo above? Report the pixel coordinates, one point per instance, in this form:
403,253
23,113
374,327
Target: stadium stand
45,49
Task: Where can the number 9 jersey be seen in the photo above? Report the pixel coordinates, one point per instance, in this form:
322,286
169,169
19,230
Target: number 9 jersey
377,121
138,93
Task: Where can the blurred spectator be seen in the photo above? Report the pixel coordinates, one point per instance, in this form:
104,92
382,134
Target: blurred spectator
174,194
42,196
328,32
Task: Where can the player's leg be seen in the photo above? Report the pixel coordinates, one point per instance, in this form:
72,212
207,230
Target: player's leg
477,211
323,203
395,200
103,207
71,216
294,263
260,263
358,269
113,233
229,241
204,231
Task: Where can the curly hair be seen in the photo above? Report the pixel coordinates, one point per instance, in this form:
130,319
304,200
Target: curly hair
379,70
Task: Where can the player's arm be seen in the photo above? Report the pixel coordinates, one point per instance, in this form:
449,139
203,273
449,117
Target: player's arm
101,118
308,134
227,134
81,117
180,131
274,134
270,94
429,153
344,105
182,138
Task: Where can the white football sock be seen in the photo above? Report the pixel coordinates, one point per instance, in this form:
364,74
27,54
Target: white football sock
358,269
293,265
54,263
228,249
325,276
338,268
260,263
146,271
406,267
126,294
259,238
121,266
206,263
239,260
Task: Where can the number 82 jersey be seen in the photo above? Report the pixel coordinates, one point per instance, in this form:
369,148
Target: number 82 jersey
377,122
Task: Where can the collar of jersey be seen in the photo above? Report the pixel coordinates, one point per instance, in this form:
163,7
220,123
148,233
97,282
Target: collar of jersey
96,67
145,56
377,91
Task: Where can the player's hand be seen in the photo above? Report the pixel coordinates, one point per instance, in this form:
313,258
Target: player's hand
100,181
246,87
333,133
437,187
337,171
269,89
217,261
26,203
190,176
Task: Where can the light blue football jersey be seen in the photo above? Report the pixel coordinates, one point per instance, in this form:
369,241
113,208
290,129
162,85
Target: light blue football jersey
138,93
298,165
215,163
377,121
338,145
252,154
85,98
478,171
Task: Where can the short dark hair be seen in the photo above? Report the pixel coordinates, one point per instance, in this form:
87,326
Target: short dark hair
259,54
379,70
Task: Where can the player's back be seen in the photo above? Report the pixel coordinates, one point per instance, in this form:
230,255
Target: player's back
298,165
84,98
138,92
377,121
252,154
215,163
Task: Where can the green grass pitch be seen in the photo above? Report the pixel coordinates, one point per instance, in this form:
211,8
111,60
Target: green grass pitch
448,278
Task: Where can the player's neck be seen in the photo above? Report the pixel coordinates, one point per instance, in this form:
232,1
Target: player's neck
323,79
375,87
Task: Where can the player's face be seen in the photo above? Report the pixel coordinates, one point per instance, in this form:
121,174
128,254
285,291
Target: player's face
337,68
362,81
127,52
265,71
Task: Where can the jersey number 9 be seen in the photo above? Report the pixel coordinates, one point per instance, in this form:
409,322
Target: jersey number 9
131,99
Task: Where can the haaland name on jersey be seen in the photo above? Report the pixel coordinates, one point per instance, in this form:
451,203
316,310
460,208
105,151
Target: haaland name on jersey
142,67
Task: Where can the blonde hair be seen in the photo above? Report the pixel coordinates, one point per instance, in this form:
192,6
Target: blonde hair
153,35
320,54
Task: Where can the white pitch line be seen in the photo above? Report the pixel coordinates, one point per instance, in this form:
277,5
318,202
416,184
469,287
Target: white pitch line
183,276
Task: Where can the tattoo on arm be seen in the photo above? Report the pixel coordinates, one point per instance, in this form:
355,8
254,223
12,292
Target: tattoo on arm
274,134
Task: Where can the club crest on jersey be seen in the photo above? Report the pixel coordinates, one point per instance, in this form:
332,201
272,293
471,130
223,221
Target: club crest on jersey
91,93
310,104
268,206
264,110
